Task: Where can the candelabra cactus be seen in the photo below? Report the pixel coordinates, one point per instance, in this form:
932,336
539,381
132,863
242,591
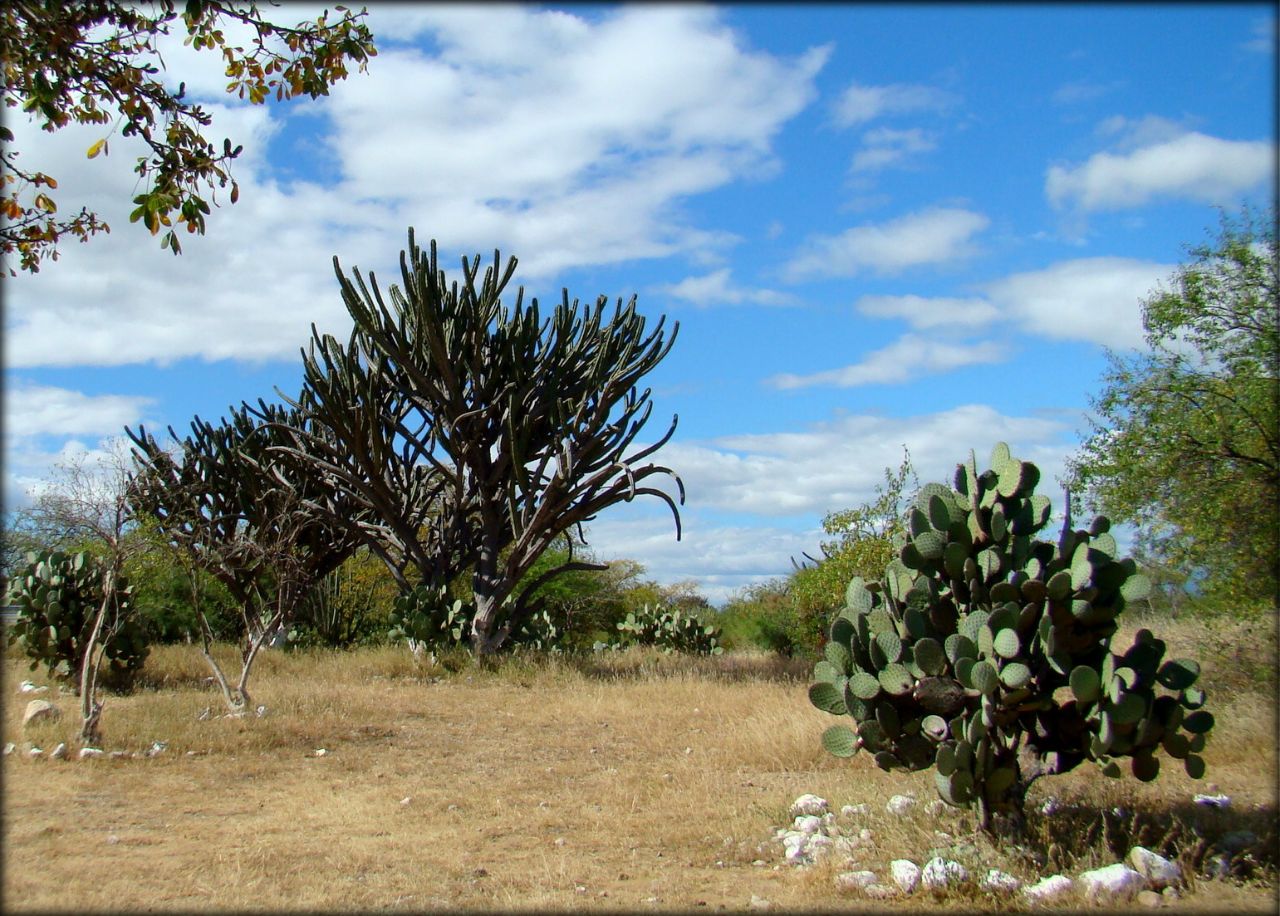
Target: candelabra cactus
58,595
957,658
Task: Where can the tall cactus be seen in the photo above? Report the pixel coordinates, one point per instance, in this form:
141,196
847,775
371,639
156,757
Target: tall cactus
954,659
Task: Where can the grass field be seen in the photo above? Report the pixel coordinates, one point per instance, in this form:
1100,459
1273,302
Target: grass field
632,782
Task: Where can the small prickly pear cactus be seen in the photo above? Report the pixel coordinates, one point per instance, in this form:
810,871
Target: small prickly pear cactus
670,629
58,596
955,659
426,615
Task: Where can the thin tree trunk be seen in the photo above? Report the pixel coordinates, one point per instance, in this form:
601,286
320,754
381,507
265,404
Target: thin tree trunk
90,708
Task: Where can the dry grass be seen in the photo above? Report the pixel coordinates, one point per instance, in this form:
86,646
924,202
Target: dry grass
631,782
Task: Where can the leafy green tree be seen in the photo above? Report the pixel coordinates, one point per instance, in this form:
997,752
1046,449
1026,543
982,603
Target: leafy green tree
1186,440
99,63
760,616
862,543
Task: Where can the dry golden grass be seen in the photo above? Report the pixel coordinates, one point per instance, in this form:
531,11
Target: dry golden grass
630,782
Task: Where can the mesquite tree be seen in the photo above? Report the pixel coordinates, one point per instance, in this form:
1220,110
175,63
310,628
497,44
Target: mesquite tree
480,433
231,512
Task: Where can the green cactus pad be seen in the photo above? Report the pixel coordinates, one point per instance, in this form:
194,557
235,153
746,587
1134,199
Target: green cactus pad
930,656
934,727
890,645
896,680
1015,675
1136,588
1085,684
1007,644
959,646
1194,765
865,686
826,697
887,716
840,741
838,656
856,596
985,678
1198,722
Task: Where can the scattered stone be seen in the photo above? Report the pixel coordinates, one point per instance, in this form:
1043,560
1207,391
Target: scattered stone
899,805
87,752
1150,899
999,882
119,755
855,810
759,903
1051,806
796,846
28,687
879,891
112,839
1111,883
866,835
829,824
819,845
906,874
1212,801
319,752
59,752
404,802
560,841
1235,841
35,752
939,874
1049,889
157,748
9,748
40,711
935,808
1158,871
261,711
855,880
1218,866
1170,893
758,863
808,824
809,805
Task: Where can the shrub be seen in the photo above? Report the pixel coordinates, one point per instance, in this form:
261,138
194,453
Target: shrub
58,597
987,654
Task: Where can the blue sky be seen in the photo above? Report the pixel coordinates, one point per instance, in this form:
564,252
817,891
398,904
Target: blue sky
877,226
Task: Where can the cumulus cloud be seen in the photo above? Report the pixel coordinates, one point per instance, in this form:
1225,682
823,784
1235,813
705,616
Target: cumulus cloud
860,103
1192,166
42,410
908,358
716,288
1093,299
883,147
923,312
931,236
529,132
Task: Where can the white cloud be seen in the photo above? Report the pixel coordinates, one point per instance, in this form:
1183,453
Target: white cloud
883,147
859,103
924,312
1192,166
930,236
716,288
41,410
1093,299
908,358
1263,40
524,130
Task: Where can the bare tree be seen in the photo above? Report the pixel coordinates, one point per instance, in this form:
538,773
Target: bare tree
478,434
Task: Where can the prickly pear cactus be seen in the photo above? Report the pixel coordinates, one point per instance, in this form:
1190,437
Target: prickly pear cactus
428,616
58,594
671,629
986,653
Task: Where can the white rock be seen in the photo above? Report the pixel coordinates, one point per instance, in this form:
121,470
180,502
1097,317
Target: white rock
1111,883
1049,889
819,845
35,752
900,804
855,810
808,824
1212,801
320,752
855,880
999,882
829,823
28,687
759,903
906,874
939,874
59,752
809,804
796,846
879,891
936,808
9,748
1150,899
40,711
866,835
87,752
157,748
1159,871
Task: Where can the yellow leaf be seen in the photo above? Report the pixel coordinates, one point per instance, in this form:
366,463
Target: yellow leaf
96,148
